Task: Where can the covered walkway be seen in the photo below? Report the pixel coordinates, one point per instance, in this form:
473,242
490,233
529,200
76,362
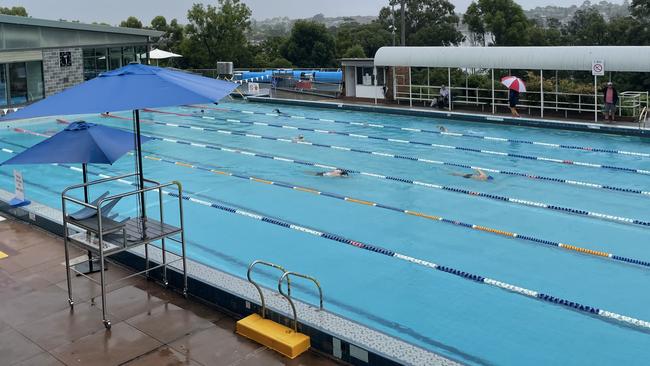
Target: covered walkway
411,69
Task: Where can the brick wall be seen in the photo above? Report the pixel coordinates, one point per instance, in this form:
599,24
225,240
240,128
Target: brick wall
58,78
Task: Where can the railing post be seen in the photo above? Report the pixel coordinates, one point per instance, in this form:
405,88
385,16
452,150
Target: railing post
493,106
541,89
410,89
449,84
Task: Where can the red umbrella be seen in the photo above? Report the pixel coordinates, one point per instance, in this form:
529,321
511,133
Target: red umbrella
514,83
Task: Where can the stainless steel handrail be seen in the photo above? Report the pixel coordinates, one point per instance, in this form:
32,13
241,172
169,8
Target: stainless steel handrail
259,289
288,295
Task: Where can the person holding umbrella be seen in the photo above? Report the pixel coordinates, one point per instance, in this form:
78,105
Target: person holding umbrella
515,86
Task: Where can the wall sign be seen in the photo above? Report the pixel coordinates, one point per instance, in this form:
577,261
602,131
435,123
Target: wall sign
598,67
65,59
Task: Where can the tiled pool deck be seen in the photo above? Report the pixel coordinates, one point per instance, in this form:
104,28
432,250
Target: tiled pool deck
151,325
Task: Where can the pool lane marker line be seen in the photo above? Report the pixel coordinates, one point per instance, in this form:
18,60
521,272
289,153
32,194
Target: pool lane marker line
403,157
580,212
422,130
420,143
226,207
574,248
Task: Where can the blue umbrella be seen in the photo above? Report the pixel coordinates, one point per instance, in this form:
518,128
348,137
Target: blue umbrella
132,87
82,143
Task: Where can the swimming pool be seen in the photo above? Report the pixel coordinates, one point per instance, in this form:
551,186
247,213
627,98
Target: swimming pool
404,205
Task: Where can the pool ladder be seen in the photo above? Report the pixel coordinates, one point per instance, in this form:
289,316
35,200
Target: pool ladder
269,333
643,116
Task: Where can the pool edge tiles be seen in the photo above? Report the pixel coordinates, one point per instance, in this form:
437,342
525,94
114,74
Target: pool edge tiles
377,347
464,116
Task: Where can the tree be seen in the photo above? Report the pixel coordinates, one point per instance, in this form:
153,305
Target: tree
475,24
586,28
355,51
217,33
503,20
159,23
131,22
14,10
427,22
370,37
310,45
640,9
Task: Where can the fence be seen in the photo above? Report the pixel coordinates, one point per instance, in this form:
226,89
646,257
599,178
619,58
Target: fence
630,103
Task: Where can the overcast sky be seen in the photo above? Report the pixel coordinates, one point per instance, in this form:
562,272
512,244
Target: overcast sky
113,11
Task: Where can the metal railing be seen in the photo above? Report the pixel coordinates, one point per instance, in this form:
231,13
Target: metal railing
630,102
288,295
285,274
257,286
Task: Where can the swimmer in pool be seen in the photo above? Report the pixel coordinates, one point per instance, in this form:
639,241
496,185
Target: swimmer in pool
299,138
442,129
277,111
333,173
479,175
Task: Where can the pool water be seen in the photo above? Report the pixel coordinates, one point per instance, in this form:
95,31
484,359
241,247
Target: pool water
462,319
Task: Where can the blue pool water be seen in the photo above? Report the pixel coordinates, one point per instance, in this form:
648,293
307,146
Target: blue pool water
462,319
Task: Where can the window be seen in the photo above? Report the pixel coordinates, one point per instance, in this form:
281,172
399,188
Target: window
21,83
115,59
365,76
128,55
35,90
3,86
17,83
95,62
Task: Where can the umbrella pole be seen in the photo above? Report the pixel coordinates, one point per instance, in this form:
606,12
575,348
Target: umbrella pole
89,269
138,138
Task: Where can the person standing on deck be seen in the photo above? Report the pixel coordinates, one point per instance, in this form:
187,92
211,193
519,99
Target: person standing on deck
610,95
513,100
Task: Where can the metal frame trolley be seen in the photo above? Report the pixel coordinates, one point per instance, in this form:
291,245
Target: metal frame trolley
103,236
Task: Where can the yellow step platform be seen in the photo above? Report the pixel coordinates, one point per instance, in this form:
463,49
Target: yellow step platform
273,335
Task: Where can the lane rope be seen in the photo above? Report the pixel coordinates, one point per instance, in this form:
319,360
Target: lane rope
422,130
226,207
481,228
402,157
420,143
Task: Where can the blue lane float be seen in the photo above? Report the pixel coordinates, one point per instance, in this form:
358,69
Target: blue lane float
404,157
421,143
437,132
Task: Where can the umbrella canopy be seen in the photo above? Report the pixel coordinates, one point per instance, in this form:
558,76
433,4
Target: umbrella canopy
514,83
80,142
131,87
157,54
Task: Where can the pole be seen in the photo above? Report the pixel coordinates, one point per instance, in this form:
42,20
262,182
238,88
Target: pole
374,73
84,172
557,89
541,89
403,23
410,89
449,84
138,138
595,98
493,106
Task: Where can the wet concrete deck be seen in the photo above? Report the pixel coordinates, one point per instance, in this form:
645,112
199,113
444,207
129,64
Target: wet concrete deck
151,325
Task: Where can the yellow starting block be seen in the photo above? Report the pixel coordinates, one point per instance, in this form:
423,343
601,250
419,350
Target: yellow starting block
273,335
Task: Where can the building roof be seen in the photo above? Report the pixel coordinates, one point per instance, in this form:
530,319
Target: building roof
616,58
356,61
10,19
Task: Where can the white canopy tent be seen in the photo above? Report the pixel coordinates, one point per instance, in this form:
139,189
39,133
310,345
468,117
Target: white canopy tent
157,54
574,58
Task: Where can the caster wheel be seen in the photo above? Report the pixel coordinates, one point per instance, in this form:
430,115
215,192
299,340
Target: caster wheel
107,324
71,302
185,294
166,283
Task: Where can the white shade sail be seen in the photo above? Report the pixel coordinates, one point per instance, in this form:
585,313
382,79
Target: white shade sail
157,54
579,58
